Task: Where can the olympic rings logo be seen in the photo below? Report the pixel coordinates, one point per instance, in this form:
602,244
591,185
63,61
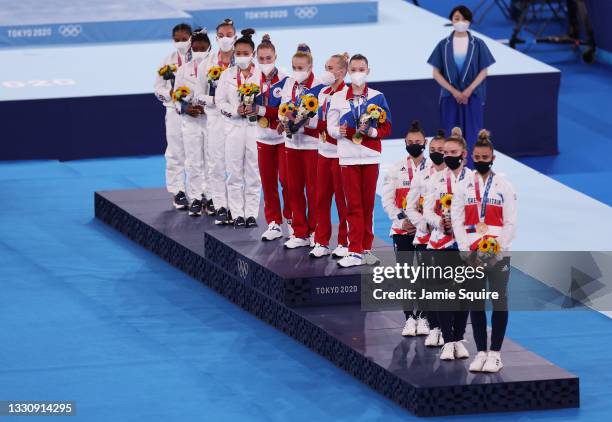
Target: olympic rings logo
70,30
306,12
243,268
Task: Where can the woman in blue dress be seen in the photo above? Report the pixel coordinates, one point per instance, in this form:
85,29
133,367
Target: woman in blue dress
460,63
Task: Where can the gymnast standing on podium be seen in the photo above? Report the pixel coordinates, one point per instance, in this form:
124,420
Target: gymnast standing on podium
460,63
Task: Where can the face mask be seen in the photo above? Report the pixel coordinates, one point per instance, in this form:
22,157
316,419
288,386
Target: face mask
199,56
436,157
300,75
266,68
461,26
182,46
453,163
243,62
327,78
415,149
359,78
226,43
483,167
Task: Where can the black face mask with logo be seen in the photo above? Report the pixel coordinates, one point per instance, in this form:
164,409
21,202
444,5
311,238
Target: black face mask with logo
415,149
436,157
453,163
483,167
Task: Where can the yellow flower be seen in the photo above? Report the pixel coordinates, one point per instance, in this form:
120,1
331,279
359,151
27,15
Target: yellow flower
162,70
383,116
283,109
375,114
446,201
311,103
246,90
371,108
214,73
483,245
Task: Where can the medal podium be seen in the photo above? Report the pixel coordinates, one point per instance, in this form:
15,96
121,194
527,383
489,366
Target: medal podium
317,303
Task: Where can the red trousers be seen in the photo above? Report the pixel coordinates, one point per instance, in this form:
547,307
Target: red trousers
360,191
302,174
329,183
272,168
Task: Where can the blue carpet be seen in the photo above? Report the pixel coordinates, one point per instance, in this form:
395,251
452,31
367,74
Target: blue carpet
585,129
87,315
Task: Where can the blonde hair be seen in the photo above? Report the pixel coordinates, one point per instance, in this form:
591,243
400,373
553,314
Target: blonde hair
457,136
343,59
303,51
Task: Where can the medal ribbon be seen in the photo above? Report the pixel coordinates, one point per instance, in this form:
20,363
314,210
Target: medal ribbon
449,188
485,197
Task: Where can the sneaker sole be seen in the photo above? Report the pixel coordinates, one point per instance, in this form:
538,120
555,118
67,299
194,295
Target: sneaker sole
317,256
195,214
180,207
266,239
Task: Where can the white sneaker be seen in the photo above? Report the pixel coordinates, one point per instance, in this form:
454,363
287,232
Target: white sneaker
312,242
422,327
340,252
460,351
478,362
274,232
493,363
370,258
296,242
319,251
289,229
448,351
410,328
434,339
351,260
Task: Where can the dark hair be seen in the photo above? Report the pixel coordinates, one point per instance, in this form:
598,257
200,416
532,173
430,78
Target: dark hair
465,12
440,134
359,57
484,140
182,27
266,43
415,127
226,22
200,34
247,37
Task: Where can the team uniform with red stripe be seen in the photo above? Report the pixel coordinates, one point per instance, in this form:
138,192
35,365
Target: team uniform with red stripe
492,202
301,155
442,183
415,204
271,147
329,178
399,182
358,162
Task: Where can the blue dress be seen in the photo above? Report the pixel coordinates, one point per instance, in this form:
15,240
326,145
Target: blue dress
469,117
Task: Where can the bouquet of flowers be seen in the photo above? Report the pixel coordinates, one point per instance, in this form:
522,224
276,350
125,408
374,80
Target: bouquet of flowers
282,114
181,93
247,96
214,73
308,107
373,116
445,205
488,248
167,72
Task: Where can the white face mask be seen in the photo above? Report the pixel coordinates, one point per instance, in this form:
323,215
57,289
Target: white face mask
461,26
266,68
182,46
243,62
327,78
199,56
300,75
359,78
226,43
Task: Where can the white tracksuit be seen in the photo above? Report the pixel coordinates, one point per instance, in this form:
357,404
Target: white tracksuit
439,186
243,182
193,132
419,188
214,151
398,183
500,211
175,154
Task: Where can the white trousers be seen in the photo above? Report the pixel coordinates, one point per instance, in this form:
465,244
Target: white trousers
194,139
215,157
243,182
175,153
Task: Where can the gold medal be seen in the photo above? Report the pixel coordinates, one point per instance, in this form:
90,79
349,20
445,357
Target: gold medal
264,122
481,228
357,139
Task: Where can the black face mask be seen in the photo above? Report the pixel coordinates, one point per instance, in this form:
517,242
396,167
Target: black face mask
453,163
436,157
415,149
483,167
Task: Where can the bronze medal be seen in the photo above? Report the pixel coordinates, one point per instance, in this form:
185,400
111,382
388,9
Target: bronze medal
357,139
481,228
264,122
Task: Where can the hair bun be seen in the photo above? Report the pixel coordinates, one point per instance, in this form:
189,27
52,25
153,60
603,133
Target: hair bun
248,32
266,38
440,133
228,21
345,55
303,47
484,135
457,132
415,126
200,31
